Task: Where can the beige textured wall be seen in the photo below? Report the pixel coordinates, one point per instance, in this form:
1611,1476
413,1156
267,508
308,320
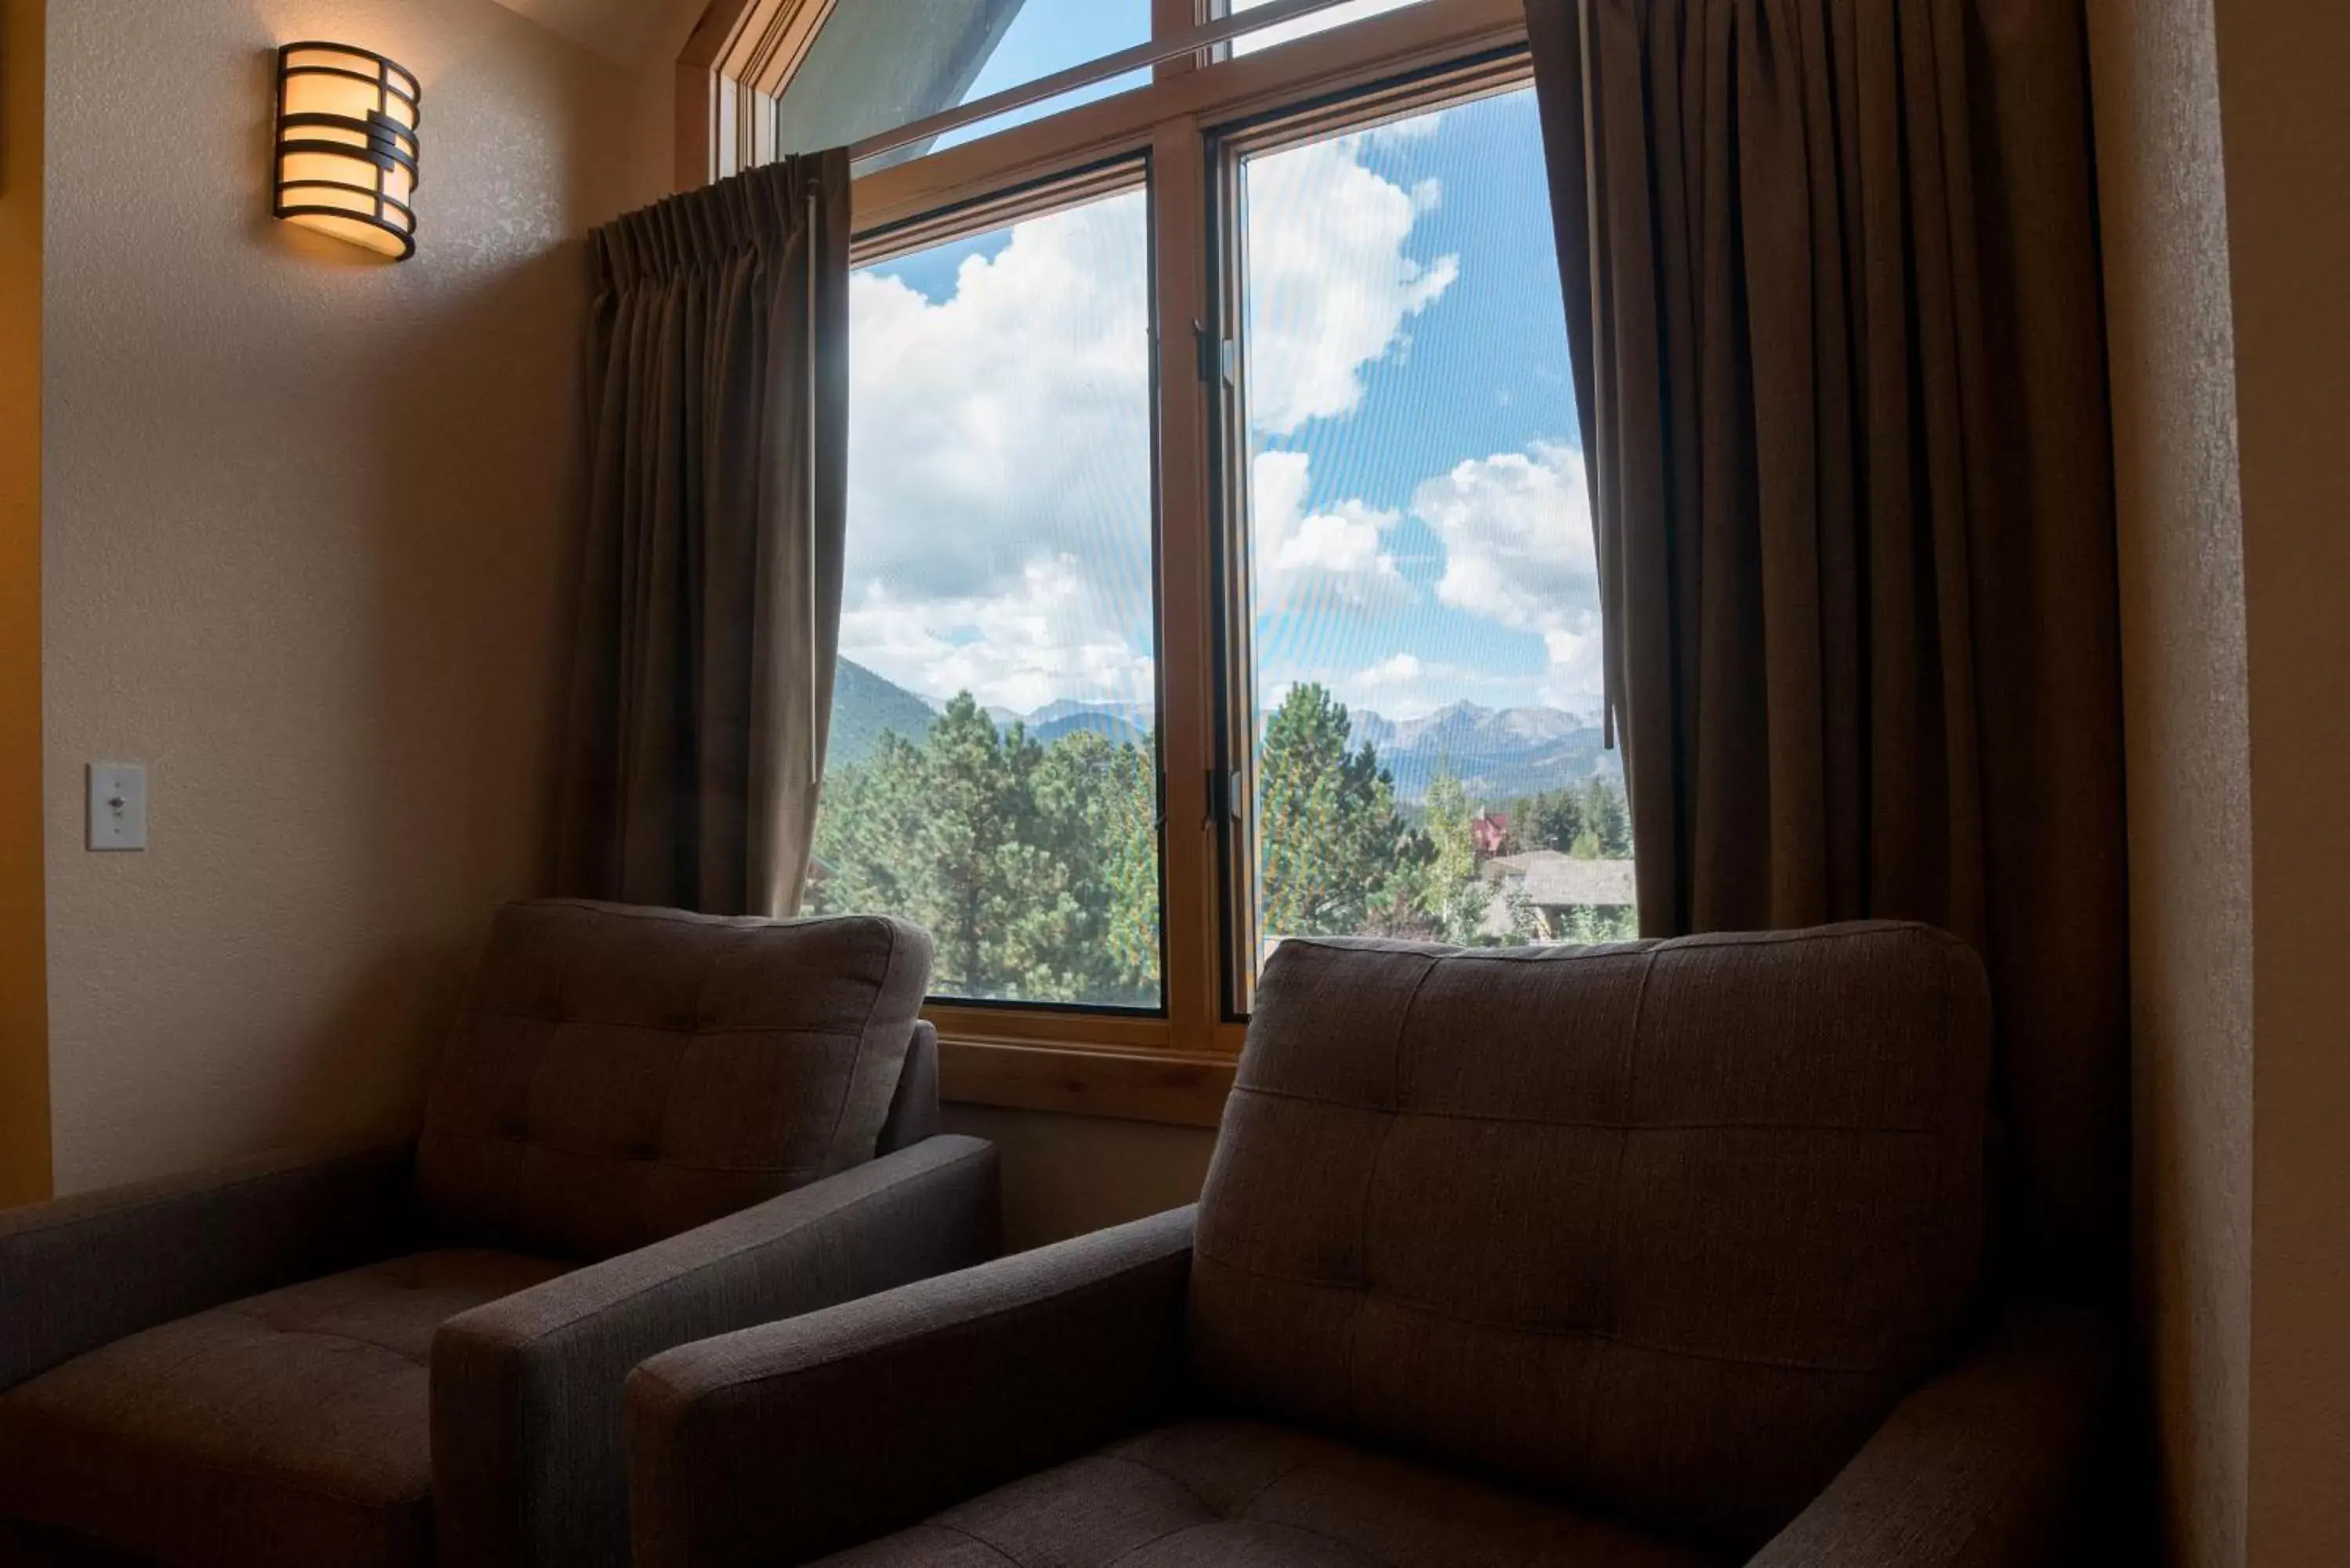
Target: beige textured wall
653,91
2165,223
23,1035
305,520
645,37
1064,1175
2285,116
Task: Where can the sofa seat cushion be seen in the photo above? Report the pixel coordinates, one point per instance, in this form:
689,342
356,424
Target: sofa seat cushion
1239,1494
285,1429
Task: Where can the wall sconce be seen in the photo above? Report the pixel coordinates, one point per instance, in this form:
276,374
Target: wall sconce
347,146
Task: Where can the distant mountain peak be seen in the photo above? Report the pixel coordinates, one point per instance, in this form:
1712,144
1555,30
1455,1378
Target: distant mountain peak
1072,707
866,706
1499,754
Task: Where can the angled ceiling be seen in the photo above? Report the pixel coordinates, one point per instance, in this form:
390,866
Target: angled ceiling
631,33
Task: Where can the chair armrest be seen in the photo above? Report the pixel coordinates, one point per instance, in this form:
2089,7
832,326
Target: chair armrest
528,1463
86,1271
1994,1464
785,1442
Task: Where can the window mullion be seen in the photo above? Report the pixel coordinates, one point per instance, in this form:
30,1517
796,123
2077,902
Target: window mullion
1176,17
1186,588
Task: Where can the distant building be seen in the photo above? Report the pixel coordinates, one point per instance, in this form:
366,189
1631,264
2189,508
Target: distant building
1491,832
1555,885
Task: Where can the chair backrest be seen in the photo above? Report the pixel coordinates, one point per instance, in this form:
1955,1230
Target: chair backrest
914,1107
1662,1227
619,1074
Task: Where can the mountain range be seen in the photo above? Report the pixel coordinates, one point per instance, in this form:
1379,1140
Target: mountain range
864,707
1498,753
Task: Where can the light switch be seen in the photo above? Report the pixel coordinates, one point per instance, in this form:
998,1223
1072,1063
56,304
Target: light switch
118,806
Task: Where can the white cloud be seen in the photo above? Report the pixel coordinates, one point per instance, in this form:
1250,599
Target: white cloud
1516,529
1019,650
1317,561
999,506
1330,287
1402,669
999,435
1009,421
1406,686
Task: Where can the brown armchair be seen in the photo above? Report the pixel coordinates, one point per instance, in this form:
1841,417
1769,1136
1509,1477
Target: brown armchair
647,1128
1660,1254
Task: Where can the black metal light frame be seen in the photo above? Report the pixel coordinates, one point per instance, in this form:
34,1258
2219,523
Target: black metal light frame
379,141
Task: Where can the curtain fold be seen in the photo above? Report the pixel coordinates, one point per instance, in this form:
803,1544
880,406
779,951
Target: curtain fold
709,609
1832,278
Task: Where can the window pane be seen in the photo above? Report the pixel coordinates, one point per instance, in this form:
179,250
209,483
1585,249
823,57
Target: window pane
992,769
1320,21
1426,692
881,63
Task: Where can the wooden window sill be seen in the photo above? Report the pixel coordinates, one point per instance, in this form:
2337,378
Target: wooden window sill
1175,1088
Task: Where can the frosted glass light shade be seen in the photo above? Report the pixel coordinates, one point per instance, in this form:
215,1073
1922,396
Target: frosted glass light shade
347,146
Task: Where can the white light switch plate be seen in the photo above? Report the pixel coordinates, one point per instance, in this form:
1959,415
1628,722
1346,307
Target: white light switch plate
118,806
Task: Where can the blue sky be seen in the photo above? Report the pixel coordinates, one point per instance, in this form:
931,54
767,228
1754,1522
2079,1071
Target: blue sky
1481,370
1486,366
1421,531
1050,36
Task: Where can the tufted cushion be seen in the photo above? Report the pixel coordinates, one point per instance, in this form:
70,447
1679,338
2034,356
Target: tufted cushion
284,1431
620,1074
1235,1494
1663,1227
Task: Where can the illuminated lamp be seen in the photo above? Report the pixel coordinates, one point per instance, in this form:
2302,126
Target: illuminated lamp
347,146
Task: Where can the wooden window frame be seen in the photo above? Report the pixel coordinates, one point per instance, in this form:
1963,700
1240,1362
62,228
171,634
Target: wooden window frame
732,70
1175,1065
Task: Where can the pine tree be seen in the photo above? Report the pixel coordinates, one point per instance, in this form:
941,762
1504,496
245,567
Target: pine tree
1610,823
970,821
868,817
1033,868
1096,811
1551,819
1457,897
1132,873
1326,825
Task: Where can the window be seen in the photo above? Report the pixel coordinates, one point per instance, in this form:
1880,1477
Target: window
1050,36
1319,22
1422,695
1220,565
993,773
880,63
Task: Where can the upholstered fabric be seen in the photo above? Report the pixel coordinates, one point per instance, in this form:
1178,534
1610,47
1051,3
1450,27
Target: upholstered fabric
620,1074
2006,1460
285,1430
84,1270
38,1546
1663,1227
799,1437
914,1105
526,1417
1235,1494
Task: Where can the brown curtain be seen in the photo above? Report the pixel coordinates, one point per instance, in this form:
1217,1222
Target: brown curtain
1832,278
709,608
